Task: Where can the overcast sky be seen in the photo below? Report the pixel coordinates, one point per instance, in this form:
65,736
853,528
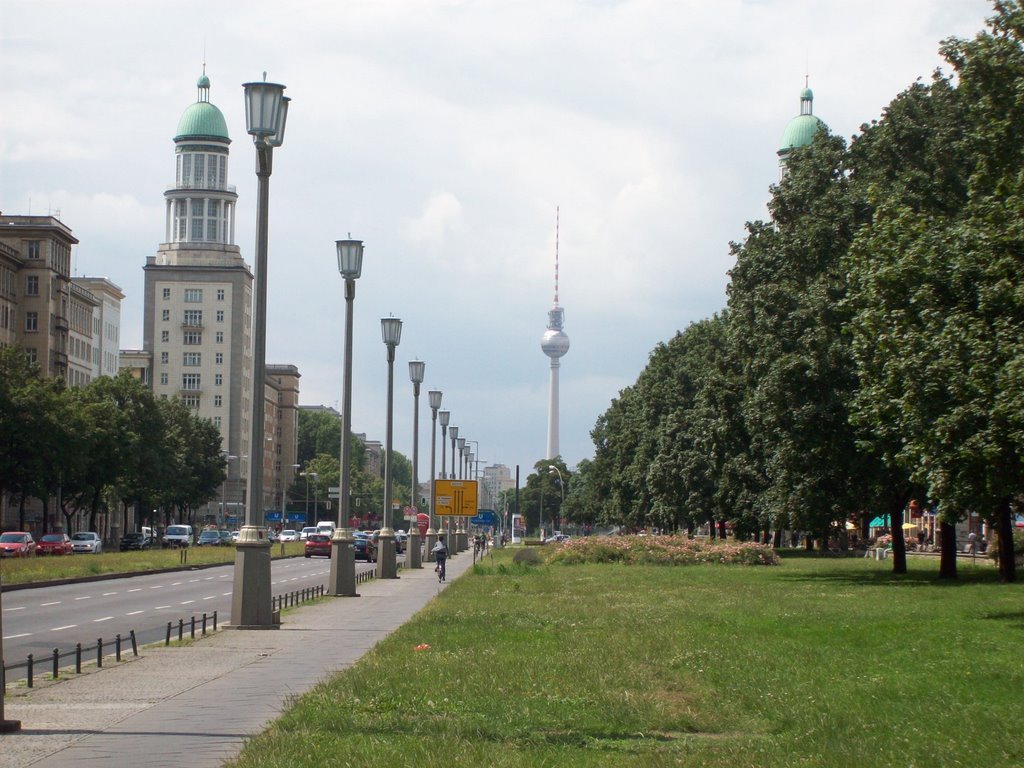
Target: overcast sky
444,134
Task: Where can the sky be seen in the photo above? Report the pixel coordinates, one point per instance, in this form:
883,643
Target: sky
445,134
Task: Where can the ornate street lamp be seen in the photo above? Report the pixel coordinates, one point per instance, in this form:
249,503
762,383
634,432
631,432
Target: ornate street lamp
342,580
416,371
266,113
391,331
443,418
434,396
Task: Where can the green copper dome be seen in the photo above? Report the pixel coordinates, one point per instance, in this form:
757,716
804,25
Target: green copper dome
801,129
202,119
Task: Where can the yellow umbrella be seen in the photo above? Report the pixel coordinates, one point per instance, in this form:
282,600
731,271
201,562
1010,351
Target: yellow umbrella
909,526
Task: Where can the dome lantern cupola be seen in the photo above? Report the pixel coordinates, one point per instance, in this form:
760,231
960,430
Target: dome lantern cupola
800,130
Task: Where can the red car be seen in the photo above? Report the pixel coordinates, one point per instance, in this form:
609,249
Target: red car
54,544
318,544
17,544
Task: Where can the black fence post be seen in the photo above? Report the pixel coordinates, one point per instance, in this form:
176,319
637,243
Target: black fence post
78,658
135,645
181,629
117,647
29,671
56,663
99,652
192,631
168,640
214,621
204,625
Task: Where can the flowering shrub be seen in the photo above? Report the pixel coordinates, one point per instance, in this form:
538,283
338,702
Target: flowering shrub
661,550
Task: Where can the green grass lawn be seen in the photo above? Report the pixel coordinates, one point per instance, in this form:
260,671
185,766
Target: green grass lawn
48,568
814,662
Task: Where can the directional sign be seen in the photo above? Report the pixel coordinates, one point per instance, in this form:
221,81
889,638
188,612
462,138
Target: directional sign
485,517
455,497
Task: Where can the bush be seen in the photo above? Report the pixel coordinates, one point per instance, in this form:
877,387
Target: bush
662,550
526,557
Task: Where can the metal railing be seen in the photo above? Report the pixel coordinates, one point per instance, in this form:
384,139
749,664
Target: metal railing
53,660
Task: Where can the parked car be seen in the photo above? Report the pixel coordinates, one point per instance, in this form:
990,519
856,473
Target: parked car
401,538
226,537
178,536
365,549
288,535
136,540
88,542
17,544
209,539
304,533
318,544
235,536
54,544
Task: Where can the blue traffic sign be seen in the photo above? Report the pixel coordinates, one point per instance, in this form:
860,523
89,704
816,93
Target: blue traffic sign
484,517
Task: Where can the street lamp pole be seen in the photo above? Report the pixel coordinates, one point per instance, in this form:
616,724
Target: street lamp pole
266,113
451,537
391,331
443,418
413,556
342,579
306,475
434,396
561,487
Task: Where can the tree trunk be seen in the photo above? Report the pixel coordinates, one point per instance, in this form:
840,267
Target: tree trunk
899,544
712,529
21,512
947,555
809,543
46,515
721,529
777,540
1007,557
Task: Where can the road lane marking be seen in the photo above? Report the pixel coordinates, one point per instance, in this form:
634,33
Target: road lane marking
68,626
14,637
186,602
137,589
105,618
87,597
161,606
225,594
108,594
133,613
19,608
158,586
177,583
211,597
46,605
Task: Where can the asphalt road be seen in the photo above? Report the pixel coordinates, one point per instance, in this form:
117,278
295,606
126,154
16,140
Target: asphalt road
40,619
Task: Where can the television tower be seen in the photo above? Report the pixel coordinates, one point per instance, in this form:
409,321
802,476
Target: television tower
555,344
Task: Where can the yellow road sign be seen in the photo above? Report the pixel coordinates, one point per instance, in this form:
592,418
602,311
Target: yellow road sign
455,497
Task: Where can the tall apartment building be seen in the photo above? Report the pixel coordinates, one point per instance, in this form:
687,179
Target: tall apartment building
106,322
197,316
497,479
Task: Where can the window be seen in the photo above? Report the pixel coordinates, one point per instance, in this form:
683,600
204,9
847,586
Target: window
191,401
219,358
165,315
164,357
218,401
193,295
190,381
200,166
34,249
212,219
211,174
220,315
186,170
32,285
167,293
163,379
197,218
192,359
32,354
180,215
165,336
31,321
220,337
194,317
193,337
218,379
216,421
220,294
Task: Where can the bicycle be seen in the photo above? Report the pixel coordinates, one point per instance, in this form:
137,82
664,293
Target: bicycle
440,569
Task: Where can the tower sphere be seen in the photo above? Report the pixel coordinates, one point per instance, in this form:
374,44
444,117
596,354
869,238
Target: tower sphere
554,343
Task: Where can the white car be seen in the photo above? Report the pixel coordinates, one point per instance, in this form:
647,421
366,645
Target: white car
304,533
289,535
87,542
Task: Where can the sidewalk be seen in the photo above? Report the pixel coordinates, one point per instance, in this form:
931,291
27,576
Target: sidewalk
197,704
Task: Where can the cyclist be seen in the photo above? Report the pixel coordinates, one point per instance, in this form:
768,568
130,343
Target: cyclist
440,553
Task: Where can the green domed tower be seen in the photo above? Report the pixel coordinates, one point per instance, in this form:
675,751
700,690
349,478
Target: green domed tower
800,130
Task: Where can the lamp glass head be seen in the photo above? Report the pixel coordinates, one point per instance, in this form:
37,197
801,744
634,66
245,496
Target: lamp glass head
435,398
350,258
416,370
443,417
262,108
391,331
453,432
282,118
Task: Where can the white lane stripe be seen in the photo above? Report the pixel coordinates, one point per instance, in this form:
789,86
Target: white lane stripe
108,594
105,618
13,637
66,626
19,608
133,613
225,594
161,606
211,597
87,597
45,605
186,602
177,583
137,589
158,586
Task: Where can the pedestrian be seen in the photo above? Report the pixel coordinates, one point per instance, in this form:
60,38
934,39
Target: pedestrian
972,543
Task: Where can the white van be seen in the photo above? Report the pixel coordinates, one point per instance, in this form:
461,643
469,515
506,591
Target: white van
325,526
178,536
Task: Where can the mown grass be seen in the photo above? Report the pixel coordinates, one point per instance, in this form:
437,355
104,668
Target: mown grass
815,662
48,568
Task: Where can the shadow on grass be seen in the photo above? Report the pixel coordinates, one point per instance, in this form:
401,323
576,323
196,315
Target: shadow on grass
856,569
1013,618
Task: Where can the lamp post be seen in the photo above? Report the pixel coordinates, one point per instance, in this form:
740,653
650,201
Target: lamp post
561,487
306,475
451,539
342,579
224,488
443,417
462,447
413,556
391,331
434,396
266,113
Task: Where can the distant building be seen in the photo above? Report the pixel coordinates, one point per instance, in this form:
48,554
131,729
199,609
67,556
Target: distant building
554,344
106,332
497,479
